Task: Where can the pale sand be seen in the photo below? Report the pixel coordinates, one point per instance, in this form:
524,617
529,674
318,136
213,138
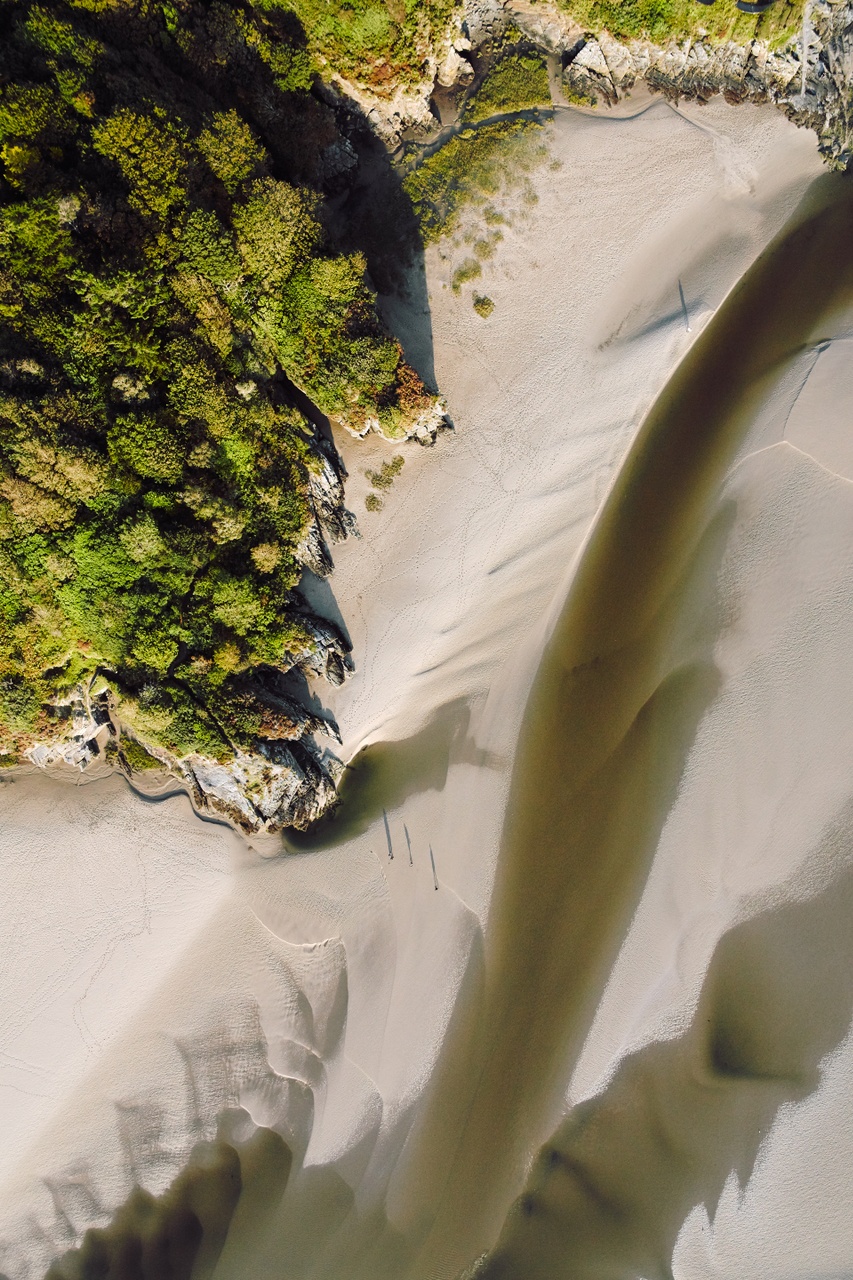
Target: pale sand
315,991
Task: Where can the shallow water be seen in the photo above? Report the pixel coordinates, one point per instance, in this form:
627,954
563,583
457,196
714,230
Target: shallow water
613,711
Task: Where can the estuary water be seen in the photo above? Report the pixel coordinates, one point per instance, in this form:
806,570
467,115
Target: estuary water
625,679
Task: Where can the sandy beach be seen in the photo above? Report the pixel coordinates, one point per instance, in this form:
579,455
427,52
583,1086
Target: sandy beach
607,970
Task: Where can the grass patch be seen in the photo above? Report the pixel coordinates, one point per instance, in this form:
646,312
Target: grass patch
469,270
373,502
662,20
471,169
483,305
518,82
387,473
136,757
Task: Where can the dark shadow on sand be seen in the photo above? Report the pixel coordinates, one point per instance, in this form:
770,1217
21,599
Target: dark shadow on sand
611,1189
384,774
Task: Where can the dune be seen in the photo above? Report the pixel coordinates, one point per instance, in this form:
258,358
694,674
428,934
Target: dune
419,998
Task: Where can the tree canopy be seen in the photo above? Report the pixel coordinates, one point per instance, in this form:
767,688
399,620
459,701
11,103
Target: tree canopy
165,279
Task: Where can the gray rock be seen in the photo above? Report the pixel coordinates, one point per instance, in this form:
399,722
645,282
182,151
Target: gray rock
811,79
331,656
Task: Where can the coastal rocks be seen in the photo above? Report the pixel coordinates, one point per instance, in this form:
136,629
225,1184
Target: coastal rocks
282,786
328,513
454,69
326,492
424,429
551,30
485,20
810,79
85,729
286,781
331,653
337,162
389,117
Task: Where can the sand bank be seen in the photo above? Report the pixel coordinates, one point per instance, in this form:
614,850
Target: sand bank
315,994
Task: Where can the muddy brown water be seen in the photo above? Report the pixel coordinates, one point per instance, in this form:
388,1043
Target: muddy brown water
611,716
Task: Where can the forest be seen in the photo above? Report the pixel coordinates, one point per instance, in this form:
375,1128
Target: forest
170,295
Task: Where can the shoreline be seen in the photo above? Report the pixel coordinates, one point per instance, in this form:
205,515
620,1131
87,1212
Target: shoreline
325,986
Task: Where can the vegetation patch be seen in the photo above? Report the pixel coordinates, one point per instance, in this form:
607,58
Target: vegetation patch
377,42
387,473
469,270
575,98
483,305
166,283
518,82
373,502
471,169
137,759
662,20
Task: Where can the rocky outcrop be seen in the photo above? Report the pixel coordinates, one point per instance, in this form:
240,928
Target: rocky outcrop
84,727
330,654
281,785
424,429
810,79
285,781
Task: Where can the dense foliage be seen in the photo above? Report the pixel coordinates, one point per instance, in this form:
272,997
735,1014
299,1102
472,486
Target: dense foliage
661,20
382,43
517,83
165,282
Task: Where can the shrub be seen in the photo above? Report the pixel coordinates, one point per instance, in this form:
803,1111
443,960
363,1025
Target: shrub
518,82
483,305
387,473
136,757
469,270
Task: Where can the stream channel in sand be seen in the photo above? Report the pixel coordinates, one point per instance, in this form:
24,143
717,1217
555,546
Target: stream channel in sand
610,718
612,713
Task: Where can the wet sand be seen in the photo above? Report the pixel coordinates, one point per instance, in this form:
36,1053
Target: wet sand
612,716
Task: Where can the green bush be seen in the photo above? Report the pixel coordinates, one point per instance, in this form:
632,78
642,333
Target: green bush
469,270
387,473
518,82
661,20
137,759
